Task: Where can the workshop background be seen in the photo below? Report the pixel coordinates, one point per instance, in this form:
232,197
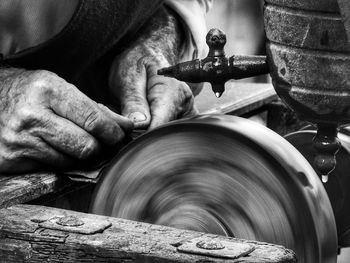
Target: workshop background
242,21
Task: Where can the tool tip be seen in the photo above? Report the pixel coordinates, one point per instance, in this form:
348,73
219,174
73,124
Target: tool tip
161,71
169,71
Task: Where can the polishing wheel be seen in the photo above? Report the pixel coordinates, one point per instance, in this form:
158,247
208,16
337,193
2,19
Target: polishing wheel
224,175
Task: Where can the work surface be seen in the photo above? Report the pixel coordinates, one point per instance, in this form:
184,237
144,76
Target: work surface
238,99
31,233
39,233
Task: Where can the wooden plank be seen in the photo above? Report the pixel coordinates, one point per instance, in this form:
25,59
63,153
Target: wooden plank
238,99
15,189
22,238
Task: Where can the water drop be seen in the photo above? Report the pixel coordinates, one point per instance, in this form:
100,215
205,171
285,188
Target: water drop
324,178
218,94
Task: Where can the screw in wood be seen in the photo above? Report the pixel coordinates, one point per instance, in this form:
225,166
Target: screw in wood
210,245
71,221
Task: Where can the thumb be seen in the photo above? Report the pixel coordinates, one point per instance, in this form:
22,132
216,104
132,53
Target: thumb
129,88
135,107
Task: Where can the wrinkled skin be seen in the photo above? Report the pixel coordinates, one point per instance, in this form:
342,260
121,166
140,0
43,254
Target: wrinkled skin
46,121
146,98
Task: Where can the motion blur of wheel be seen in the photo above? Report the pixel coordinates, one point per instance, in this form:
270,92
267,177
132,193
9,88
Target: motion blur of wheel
224,175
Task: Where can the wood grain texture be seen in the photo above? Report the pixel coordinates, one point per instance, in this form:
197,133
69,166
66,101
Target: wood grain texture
23,240
26,187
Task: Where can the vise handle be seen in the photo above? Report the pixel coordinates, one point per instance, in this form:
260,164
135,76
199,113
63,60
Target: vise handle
216,68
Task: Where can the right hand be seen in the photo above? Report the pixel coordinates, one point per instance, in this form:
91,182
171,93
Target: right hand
46,121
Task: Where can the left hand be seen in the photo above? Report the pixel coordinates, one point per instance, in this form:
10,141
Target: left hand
148,99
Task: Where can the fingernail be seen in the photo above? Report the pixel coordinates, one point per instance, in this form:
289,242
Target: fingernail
137,117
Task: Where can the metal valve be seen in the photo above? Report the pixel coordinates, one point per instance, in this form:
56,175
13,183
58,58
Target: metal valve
216,68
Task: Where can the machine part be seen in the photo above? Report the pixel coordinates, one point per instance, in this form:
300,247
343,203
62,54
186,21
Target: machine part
216,68
311,5
339,183
71,224
327,146
224,175
215,248
344,6
308,55
308,58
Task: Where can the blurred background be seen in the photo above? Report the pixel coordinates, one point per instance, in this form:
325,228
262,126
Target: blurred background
242,21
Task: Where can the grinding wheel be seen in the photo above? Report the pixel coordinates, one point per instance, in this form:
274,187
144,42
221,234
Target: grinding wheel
224,175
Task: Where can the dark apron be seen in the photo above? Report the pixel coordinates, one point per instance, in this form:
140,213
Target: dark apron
83,51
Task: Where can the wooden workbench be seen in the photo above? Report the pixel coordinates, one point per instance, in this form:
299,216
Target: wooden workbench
31,233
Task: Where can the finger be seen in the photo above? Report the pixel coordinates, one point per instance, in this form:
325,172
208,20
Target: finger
122,121
66,137
193,111
128,85
162,110
32,154
21,165
75,106
169,100
43,153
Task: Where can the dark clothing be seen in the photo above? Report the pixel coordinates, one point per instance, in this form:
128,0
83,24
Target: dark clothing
83,51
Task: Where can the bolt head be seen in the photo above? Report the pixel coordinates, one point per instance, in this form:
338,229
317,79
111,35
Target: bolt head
70,221
210,245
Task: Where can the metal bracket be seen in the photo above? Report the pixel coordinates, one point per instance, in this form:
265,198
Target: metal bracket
72,224
216,247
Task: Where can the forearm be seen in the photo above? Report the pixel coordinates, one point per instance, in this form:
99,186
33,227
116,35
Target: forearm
163,36
192,14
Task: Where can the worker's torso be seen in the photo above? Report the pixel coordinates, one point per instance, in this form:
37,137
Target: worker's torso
77,39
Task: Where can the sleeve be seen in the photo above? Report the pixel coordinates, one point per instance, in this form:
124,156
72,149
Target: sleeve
192,13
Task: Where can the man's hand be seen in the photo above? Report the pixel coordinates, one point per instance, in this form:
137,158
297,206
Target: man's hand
45,120
147,99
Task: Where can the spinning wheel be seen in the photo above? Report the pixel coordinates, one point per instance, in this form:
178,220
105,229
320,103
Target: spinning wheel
223,175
